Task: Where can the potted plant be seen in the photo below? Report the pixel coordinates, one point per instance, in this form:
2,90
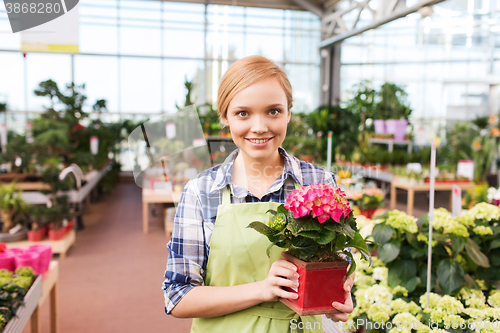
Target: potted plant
38,230
316,226
59,217
10,204
369,201
392,106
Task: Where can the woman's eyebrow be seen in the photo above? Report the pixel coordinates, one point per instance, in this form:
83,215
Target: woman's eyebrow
242,107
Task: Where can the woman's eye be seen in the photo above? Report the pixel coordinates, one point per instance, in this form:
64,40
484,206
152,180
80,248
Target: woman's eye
275,112
242,113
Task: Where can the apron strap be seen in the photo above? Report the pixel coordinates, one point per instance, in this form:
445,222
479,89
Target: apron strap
226,195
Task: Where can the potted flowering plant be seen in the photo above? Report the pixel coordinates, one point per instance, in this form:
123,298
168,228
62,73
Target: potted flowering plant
369,201
38,230
316,227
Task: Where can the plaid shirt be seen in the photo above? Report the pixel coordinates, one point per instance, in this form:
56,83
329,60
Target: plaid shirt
196,212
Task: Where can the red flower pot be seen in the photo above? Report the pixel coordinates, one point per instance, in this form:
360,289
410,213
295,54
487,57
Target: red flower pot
70,225
368,213
36,236
320,284
57,234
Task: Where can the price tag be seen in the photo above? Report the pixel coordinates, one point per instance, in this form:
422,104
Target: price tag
456,201
465,169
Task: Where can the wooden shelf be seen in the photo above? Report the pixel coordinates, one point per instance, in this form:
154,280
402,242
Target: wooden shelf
17,323
58,247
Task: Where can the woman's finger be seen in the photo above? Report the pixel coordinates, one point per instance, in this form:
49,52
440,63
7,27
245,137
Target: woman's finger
284,272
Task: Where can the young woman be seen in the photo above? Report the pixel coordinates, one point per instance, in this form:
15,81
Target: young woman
218,271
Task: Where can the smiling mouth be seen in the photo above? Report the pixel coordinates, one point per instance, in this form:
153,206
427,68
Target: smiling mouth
259,140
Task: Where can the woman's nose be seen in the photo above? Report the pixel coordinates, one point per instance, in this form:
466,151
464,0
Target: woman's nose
259,125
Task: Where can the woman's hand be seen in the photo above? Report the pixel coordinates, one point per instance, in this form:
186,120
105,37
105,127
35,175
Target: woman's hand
278,273
343,310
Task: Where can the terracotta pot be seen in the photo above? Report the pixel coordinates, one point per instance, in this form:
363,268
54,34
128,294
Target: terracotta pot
320,284
36,236
57,234
368,213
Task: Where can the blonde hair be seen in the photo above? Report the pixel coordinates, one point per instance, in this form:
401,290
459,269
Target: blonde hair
246,72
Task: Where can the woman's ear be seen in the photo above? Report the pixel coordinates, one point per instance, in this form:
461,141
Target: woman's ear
289,116
223,121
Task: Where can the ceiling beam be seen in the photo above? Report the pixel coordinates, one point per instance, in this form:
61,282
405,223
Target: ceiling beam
396,14
310,7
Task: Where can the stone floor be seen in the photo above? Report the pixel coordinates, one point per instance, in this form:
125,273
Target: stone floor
111,279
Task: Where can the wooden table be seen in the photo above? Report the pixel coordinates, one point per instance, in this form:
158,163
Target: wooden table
425,187
166,196
59,246
49,287
156,196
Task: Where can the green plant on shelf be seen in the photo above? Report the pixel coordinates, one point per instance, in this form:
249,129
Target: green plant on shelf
10,203
369,200
37,215
377,304
392,102
465,248
13,290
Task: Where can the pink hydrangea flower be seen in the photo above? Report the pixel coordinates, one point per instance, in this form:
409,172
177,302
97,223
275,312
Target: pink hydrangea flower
321,201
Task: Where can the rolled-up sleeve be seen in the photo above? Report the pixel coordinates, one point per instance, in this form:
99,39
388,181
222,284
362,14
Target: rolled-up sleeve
186,249
330,179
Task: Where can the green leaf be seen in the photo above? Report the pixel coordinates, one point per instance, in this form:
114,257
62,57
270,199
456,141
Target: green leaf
389,252
263,228
303,248
423,220
268,250
310,224
411,284
310,234
326,237
470,281
423,277
495,257
495,244
458,243
332,226
401,272
382,233
475,253
272,212
347,230
352,267
282,210
414,253
450,275
412,240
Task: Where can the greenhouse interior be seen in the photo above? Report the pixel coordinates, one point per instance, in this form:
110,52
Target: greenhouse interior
120,118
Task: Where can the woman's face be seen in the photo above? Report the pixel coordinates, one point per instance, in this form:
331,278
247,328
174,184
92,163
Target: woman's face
257,117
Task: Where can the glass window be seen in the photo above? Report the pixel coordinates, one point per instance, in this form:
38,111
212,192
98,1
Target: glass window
8,40
304,80
140,85
12,86
42,67
100,75
140,41
179,42
176,73
269,45
102,39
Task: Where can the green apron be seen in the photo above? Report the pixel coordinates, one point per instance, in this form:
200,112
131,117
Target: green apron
238,256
